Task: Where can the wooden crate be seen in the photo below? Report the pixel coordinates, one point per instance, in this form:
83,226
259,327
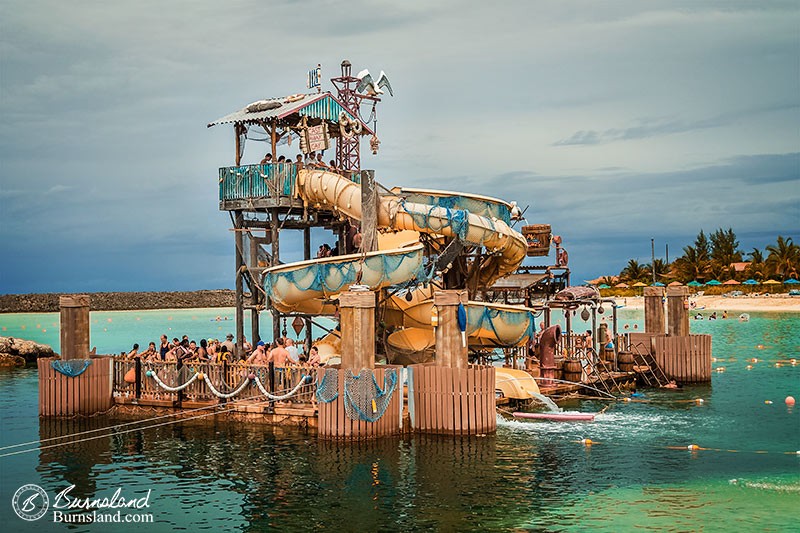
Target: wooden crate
454,401
333,422
685,359
86,394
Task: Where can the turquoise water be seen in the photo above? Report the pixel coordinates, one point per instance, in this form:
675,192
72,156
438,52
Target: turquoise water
213,475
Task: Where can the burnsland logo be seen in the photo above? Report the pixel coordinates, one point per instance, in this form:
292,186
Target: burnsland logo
30,502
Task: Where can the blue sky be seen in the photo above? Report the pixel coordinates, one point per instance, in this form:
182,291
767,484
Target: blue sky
615,122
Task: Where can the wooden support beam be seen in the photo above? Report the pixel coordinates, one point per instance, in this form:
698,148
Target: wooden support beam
678,311
451,351
74,326
357,312
239,294
654,310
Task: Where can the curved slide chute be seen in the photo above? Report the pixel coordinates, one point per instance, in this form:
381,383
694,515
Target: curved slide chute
330,190
308,286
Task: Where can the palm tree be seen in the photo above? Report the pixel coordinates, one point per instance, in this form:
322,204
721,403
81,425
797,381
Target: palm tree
608,280
661,268
693,264
784,257
634,271
756,269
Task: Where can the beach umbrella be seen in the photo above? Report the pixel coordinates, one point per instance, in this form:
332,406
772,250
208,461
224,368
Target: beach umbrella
771,282
621,285
694,283
731,282
640,284
791,281
657,284
750,282
604,286
674,284
714,282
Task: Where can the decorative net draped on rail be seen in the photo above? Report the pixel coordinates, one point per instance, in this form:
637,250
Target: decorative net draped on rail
72,367
335,277
364,399
483,208
328,386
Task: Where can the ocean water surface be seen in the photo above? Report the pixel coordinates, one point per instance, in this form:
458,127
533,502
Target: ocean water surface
209,474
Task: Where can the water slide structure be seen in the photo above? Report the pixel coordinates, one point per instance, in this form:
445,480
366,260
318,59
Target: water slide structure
427,240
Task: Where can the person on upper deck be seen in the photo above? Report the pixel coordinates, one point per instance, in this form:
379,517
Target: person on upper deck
267,159
299,161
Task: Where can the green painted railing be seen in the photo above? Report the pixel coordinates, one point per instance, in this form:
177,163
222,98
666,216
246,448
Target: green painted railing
263,181
257,181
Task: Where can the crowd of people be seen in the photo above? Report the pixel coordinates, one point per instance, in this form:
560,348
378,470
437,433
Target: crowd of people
282,352
311,160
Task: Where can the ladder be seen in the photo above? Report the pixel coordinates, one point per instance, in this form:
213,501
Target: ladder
642,358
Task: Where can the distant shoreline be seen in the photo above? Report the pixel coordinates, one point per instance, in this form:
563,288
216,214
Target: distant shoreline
121,301
777,302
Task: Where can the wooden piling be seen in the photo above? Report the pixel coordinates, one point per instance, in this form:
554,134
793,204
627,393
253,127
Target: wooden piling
678,311
74,326
451,350
654,310
357,312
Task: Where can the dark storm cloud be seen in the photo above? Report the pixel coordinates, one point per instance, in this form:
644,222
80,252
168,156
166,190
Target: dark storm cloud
612,121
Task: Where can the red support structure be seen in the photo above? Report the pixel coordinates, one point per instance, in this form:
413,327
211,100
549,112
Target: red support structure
348,151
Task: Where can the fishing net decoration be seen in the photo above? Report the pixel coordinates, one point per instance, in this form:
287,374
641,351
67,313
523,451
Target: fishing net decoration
334,277
363,397
328,386
71,368
456,202
486,318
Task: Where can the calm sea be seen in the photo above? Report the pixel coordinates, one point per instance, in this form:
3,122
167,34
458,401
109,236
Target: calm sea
210,475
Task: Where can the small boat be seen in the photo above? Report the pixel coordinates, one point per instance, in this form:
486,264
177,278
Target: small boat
744,317
557,417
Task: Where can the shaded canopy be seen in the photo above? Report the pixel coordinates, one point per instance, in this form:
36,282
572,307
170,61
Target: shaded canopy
694,283
714,282
675,284
731,282
750,282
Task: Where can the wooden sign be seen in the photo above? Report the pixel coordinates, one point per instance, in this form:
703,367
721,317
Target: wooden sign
315,139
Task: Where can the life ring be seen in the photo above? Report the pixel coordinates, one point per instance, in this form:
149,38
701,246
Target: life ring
294,98
348,127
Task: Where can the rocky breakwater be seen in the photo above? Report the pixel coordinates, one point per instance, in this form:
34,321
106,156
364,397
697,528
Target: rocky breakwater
120,301
18,352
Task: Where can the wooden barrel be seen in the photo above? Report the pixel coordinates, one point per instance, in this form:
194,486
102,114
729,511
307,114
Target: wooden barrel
538,237
607,355
626,367
572,366
625,357
575,377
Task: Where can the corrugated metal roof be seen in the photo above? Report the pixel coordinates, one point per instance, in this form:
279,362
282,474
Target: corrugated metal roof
324,106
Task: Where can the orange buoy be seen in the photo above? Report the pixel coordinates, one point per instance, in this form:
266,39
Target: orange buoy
698,400
749,367
693,447
768,402
587,442
789,400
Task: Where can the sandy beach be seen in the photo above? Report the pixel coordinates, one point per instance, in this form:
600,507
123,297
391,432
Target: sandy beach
776,302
